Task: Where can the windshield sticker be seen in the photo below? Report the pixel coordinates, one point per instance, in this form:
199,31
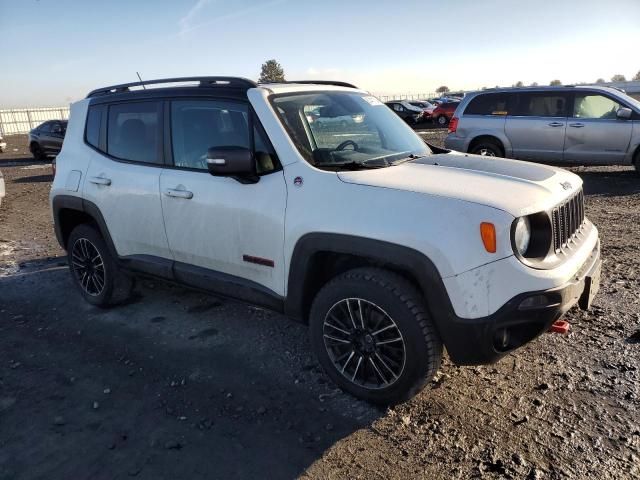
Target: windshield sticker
372,101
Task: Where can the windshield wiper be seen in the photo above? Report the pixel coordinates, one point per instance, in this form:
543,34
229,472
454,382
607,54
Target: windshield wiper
348,165
408,158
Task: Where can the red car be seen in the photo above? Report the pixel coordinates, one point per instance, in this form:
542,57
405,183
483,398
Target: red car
444,112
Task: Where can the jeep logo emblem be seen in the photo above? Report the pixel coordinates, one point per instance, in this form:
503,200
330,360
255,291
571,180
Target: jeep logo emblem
565,185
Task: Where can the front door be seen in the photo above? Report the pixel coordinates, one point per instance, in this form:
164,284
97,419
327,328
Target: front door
218,223
536,128
594,133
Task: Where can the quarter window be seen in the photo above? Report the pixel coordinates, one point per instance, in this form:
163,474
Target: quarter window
94,118
541,104
133,132
197,125
590,105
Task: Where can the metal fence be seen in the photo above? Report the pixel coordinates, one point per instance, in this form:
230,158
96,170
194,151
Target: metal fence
408,96
21,120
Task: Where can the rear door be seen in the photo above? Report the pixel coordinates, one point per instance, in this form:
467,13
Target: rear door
218,223
536,127
122,180
594,133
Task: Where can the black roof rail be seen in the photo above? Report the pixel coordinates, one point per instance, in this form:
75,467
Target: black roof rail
237,82
319,82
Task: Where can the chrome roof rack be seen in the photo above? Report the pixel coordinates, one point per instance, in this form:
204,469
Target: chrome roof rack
230,82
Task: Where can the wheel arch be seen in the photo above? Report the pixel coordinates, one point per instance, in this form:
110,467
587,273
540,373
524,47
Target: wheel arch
318,257
70,211
490,137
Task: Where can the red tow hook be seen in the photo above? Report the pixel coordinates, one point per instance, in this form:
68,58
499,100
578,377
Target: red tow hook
560,326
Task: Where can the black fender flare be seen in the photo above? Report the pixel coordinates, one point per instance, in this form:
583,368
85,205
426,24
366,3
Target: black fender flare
394,256
70,202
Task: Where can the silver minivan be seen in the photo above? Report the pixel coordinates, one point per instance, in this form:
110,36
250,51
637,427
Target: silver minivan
588,125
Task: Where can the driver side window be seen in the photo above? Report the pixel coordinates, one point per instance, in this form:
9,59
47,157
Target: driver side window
197,125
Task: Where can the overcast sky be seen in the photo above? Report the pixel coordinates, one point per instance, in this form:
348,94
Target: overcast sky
54,52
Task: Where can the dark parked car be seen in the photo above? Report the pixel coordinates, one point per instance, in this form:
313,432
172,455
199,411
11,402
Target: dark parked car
46,139
444,113
406,111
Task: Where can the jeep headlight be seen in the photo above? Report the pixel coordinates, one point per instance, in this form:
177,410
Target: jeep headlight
522,235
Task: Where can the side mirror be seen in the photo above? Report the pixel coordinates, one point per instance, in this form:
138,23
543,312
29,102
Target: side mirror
232,161
624,113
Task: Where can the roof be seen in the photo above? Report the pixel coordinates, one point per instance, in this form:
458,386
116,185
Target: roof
547,88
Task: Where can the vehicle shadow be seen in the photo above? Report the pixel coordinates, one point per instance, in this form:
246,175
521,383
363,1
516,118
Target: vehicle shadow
35,179
177,384
608,182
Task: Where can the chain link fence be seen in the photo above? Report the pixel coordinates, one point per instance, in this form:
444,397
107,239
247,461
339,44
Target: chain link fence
21,120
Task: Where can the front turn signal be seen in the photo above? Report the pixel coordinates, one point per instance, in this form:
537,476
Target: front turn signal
488,234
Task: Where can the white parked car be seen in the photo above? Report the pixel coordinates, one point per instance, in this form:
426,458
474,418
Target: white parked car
388,248
3,145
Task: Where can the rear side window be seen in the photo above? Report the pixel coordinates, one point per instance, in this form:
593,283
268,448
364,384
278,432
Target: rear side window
541,104
92,132
133,131
488,104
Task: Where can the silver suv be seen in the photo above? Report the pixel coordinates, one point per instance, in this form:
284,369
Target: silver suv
587,125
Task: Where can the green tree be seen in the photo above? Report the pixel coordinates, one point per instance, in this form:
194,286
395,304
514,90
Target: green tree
555,83
271,71
519,84
534,84
636,77
618,77
601,80
442,89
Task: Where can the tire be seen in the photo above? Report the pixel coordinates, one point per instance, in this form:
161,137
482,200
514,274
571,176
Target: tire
636,162
487,148
385,366
37,152
94,271
442,120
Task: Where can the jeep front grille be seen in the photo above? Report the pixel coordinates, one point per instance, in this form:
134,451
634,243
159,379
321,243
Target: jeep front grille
567,219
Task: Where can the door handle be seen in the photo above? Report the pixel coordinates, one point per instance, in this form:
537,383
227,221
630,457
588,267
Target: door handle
556,124
172,192
576,125
100,181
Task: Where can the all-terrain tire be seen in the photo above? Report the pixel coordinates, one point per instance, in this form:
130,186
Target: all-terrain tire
396,297
94,270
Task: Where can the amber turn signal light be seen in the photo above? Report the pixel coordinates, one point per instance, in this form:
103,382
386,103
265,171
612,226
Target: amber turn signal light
488,234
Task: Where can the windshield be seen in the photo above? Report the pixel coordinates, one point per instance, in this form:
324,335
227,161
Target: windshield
347,130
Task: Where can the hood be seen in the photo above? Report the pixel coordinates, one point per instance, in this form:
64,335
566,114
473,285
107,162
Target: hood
518,188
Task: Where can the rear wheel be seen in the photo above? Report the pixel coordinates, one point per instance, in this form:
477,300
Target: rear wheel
487,148
93,269
371,333
442,120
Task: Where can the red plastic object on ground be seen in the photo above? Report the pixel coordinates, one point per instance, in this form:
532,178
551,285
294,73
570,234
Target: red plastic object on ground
560,326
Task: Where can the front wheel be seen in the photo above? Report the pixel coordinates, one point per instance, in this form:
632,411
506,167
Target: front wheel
37,151
372,335
442,121
93,269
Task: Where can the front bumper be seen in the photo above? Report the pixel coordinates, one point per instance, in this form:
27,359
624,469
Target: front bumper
485,340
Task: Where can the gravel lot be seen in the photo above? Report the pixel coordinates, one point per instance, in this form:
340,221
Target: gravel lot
178,384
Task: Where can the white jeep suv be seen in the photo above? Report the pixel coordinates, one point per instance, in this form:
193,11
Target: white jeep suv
389,249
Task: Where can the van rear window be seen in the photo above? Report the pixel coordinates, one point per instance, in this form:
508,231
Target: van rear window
488,104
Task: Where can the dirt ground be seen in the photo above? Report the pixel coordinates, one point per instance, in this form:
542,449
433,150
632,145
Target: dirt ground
178,384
